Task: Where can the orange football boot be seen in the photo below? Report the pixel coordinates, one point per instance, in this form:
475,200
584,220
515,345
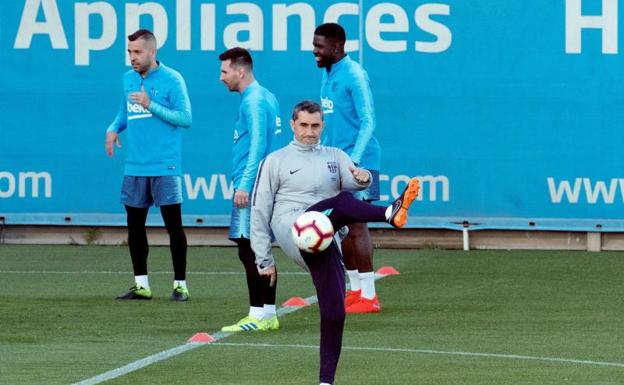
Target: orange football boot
398,215
351,297
364,305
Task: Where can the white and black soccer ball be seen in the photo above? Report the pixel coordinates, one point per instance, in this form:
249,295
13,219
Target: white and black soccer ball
312,232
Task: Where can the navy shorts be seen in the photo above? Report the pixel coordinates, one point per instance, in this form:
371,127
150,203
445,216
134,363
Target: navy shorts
372,192
145,191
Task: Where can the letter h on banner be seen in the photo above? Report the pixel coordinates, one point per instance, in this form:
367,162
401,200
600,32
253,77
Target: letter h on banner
576,22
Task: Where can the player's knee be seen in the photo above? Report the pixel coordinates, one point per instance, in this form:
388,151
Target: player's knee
136,221
176,231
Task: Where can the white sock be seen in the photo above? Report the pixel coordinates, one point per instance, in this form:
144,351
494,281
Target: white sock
269,311
388,212
181,283
368,285
141,280
354,279
325,383
256,312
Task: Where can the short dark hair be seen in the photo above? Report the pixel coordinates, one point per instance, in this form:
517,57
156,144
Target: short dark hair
144,34
308,106
331,31
238,56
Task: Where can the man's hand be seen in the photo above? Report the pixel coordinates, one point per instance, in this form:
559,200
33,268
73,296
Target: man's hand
241,199
360,175
140,97
271,273
112,138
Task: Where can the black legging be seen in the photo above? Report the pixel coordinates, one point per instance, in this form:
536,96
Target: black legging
137,238
260,291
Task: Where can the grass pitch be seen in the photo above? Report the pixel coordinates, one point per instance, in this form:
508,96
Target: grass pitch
451,317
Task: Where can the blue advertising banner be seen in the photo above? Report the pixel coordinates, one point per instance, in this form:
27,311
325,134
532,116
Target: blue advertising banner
509,112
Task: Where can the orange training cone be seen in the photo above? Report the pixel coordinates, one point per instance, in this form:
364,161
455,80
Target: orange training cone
201,338
296,301
387,270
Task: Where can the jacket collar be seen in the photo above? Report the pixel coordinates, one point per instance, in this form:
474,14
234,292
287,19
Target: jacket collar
305,147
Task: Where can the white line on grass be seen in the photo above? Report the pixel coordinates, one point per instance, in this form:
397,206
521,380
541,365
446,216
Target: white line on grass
440,352
136,365
129,272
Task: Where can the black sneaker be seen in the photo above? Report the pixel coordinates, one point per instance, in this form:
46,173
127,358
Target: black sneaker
136,292
398,215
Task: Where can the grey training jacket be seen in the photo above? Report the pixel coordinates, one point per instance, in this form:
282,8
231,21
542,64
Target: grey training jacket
288,182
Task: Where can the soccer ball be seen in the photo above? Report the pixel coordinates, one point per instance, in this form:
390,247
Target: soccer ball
312,232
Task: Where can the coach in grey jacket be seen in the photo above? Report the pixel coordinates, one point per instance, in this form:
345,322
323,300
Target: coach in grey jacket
306,176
